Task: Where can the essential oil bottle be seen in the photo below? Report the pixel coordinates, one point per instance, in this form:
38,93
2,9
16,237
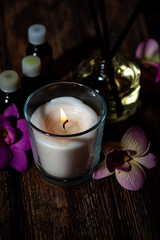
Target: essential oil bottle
32,78
10,90
38,46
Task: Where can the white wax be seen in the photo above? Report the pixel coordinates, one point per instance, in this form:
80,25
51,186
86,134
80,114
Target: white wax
65,157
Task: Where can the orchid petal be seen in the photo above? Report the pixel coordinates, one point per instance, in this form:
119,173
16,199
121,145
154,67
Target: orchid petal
4,121
133,179
108,146
118,159
156,65
157,78
7,133
101,171
11,111
10,135
135,140
23,142
152,64
5,156
125,167
19,160
148,51
148,161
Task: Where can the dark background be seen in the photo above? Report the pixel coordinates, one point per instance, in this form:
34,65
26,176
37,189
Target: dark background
31,208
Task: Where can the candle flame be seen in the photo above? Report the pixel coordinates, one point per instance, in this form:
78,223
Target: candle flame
63,115
64,119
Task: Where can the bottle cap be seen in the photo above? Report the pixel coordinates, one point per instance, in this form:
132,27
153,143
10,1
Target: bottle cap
37,34
9,81
31,66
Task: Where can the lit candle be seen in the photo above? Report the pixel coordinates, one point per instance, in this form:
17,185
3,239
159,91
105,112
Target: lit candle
65,156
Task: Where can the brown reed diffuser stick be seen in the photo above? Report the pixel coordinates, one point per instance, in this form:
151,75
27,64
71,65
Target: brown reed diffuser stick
127,27
97,28
105,28
109,65
104,44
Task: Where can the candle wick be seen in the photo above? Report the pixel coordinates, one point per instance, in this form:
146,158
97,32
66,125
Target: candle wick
65,123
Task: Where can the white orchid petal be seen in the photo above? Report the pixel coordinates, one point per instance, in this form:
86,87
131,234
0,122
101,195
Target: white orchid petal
135,140
133,179
148,161
101,171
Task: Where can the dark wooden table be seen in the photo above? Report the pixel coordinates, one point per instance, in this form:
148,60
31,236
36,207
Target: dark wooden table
31,208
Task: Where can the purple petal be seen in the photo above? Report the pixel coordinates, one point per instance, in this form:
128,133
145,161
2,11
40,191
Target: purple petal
108,146
156,65
24,141
7,133
4,121
11,111
101,171
135,140
19,160
133,179
157,79
125,167
148,51
10,135
118,159
5,156
152,64
148,161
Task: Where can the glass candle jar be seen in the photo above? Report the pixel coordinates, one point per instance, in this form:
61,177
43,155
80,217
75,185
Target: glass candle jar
66,148
92,72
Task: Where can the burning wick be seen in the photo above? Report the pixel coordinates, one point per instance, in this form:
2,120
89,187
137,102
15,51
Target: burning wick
64,119
65,124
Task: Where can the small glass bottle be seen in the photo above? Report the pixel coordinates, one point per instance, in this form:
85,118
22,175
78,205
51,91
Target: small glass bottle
93,73
32,78
38,46
10,90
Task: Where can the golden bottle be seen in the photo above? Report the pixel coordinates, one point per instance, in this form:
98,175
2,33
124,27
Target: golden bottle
92,72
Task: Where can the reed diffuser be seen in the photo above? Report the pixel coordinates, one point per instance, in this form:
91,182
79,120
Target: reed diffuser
115,77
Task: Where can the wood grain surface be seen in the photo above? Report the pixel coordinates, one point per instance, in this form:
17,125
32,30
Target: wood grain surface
31,208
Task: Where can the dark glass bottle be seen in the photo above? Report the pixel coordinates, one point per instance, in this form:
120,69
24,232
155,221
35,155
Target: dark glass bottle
32,78
38,46
10,91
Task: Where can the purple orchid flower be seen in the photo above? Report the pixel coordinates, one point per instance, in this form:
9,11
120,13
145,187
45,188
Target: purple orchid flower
125,158
14,139
148,52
